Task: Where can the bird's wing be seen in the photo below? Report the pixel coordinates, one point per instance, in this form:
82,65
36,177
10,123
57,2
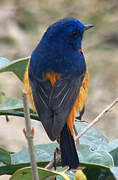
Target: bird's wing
54,103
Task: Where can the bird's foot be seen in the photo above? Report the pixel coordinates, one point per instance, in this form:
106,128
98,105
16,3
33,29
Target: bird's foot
76,133
57,155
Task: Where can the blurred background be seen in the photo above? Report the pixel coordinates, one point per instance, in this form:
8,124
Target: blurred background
22,24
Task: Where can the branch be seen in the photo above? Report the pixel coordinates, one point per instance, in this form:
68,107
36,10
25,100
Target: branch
106,110
50,165
57,158
29,136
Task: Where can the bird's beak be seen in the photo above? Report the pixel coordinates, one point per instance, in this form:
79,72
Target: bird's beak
88,26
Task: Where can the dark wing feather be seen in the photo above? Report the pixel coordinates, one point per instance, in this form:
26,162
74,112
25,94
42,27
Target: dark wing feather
54,103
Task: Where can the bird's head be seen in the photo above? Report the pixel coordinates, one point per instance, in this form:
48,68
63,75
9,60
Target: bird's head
66,33
58,48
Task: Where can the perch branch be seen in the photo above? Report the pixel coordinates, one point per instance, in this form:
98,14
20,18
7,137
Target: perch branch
29,136
106,110
57,158
50,165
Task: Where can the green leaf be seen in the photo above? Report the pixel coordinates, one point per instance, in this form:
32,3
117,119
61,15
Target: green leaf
13,107
102,158
5,156
2,97
26,174
10,169
86,153
92,173
7,103
92,137
18,67
110,177
114,171
43,153
19,114
90,156
11,104
113,150
3,62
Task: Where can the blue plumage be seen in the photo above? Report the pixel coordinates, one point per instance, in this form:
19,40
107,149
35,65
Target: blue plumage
59,51
58,48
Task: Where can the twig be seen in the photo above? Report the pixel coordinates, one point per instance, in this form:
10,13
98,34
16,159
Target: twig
7,118
106,110
29,137
57,158
50,165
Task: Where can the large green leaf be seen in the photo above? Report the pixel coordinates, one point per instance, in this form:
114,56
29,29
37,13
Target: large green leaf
94,173
17,66
43,153
13,107
26,174
5,156
11,104
93,137
2,97
93,134
114,171
19,114
101,158
88,154
113,150
10,169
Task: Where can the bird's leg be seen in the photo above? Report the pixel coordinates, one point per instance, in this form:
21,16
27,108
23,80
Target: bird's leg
80,120
76,133
54,164
56,154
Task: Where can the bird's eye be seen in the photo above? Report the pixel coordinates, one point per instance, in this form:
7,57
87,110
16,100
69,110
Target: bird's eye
75,34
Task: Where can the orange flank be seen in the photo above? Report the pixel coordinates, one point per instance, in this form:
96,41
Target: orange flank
79,103
80,100
28,88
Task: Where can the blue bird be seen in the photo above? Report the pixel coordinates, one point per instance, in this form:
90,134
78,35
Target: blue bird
56,80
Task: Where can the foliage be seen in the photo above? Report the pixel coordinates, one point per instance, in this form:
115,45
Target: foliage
97,155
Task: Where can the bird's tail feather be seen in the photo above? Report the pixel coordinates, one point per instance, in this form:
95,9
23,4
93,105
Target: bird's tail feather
69,155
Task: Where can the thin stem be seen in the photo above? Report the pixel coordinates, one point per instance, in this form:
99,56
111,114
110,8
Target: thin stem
50,165
19,114
106,110
29,137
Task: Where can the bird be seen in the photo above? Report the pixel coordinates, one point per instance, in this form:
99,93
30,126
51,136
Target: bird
56,80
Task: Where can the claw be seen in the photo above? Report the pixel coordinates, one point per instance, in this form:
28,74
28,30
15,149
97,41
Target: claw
56,153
